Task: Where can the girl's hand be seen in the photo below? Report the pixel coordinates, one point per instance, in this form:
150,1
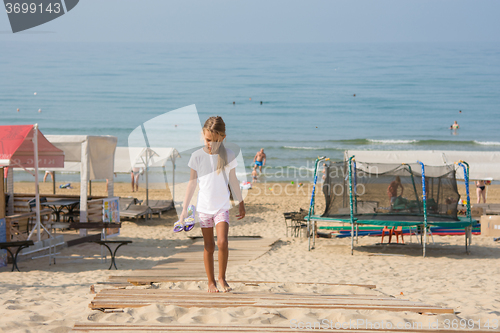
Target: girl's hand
183,215
242,211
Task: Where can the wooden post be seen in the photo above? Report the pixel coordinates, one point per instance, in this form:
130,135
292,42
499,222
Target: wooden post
2,206
2,196
53,182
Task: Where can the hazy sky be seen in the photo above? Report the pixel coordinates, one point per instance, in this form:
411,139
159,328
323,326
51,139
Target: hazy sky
269,21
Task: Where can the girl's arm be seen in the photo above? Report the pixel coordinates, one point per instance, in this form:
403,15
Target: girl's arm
235,188
189,193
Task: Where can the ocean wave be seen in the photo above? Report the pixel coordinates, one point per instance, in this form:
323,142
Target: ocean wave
428,142
392,141
487,143
310,148
307,148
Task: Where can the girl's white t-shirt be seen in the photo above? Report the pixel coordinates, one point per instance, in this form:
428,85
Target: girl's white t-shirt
214,193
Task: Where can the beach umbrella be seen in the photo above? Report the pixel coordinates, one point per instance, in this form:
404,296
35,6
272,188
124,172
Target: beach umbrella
24,146
147,158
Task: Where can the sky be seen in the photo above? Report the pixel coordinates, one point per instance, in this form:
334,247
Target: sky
269,21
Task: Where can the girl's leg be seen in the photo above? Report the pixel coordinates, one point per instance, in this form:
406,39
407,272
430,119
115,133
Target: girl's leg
223,249
478,193
208,258
483,194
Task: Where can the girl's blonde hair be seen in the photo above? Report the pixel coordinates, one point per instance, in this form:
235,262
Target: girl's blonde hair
217,127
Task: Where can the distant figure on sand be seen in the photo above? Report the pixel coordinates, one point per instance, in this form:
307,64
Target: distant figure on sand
134,175
392,190
212,168
481,191
255,176
260,159
48,173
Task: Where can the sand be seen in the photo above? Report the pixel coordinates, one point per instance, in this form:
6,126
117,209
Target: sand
43,298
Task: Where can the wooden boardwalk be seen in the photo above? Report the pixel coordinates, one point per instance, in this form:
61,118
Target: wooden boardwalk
110,327
188,266
133,298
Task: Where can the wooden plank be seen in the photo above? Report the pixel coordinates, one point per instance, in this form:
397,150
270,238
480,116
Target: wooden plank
393,308
146,280
111,327
233,293
263,302
223,298
91,211
229,297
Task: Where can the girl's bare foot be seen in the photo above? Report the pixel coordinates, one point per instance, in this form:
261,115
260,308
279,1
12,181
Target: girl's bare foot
212,288
225,287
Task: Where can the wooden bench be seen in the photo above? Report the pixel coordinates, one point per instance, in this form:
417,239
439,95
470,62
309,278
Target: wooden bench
20,245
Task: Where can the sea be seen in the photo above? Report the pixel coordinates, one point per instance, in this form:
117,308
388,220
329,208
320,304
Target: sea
297,101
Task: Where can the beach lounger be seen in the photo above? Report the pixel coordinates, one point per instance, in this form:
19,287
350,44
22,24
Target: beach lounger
488,208
160,206
130,209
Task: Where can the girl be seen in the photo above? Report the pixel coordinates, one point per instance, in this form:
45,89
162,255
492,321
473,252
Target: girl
213,167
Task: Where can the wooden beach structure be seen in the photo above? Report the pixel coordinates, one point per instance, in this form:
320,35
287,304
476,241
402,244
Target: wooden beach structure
129,291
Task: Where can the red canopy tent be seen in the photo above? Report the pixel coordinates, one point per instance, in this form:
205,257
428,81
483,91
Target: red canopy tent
24,146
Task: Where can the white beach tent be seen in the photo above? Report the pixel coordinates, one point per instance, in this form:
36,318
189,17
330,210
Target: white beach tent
127,158
484,165
92,156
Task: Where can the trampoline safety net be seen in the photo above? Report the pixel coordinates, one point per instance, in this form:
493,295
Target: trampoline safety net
390,192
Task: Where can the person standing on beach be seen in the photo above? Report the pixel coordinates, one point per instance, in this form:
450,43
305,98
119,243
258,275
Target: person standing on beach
134,175
260,159
48,173
481,191
255,176
392,190
212,167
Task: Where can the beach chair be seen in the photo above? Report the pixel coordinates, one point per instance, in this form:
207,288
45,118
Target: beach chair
288,223
418,232
295,221
300,223
130,209
398,231
160,206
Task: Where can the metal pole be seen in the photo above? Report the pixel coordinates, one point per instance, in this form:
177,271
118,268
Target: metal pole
173,181
351,204
414,188
425,206
147,171
465,167
355,181
311,204
37,193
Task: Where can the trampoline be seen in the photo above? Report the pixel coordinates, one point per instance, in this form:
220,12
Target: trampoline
408,195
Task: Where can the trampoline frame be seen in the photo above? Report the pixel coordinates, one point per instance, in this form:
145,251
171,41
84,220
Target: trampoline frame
355,221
